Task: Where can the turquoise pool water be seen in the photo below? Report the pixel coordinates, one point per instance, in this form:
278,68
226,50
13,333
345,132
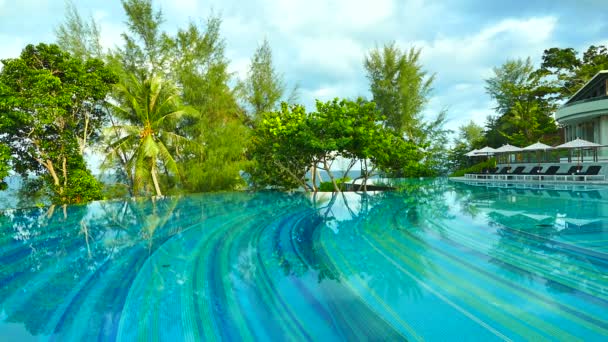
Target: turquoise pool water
438,261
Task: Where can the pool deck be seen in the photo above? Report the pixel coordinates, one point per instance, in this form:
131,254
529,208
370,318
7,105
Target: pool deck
528,181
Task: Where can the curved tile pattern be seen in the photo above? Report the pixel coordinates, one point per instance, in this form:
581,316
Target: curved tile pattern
436,261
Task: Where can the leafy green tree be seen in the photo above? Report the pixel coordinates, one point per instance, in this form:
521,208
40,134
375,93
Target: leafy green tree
530,124
151,109
279,151
194,59
400,87
52,108
510,84
5,157
200,67
470,136
264,86
564,73
79,37
288,143
523,117
434,141
146,48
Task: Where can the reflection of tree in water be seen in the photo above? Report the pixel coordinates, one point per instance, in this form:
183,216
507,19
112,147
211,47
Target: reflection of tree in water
394,222
298,253
54,258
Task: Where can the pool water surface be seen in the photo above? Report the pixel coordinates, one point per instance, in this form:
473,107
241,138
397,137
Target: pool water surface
435,261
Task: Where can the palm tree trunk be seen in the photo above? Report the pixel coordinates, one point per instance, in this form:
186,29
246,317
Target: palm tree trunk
155,181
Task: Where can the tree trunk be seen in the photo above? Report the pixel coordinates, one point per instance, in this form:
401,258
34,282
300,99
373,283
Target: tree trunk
331,176
291,174
314,177
155,180
83,144
49,166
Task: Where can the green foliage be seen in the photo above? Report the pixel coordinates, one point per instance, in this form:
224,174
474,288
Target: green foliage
399,86
470,136
279,150
523,117
479,167
530,124
193,60
510,84
289,142
32,190
151,109
82,187
329,186
145,50
115,190
78,37
264,86
201,69
5,157
218,167
564,73
52,108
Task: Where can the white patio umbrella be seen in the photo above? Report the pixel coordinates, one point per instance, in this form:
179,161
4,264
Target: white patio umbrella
508,149
538,147
471,153
579,144
487,151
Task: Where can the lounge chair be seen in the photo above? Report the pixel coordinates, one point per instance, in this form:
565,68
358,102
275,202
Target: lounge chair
550,172
502,171
571,171
592,172
535,171
518,171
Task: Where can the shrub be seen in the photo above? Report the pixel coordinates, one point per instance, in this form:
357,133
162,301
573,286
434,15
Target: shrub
475,168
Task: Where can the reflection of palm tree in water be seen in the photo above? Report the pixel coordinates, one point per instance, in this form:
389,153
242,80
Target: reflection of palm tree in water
63,249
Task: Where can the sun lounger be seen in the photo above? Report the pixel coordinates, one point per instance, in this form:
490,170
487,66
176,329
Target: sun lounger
485,172
550,172
572,170
500,173
535,171
518,171
591,172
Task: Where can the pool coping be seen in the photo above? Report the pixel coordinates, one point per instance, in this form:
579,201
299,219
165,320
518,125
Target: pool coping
531,182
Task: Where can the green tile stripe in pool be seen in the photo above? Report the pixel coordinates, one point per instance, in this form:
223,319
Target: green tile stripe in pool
437,261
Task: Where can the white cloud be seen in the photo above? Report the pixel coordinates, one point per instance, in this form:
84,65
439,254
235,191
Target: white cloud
336,55
462,63
184,7
314,15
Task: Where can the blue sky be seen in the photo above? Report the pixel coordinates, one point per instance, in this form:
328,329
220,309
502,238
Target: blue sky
320,45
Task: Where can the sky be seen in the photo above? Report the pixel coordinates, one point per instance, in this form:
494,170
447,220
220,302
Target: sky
320,45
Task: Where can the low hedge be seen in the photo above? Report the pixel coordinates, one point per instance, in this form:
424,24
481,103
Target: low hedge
477,168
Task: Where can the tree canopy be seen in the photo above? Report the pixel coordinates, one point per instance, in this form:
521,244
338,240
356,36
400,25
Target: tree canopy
53,108
399,86
264,87
290,143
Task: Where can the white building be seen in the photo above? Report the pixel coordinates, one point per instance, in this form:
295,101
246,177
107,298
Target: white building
585,114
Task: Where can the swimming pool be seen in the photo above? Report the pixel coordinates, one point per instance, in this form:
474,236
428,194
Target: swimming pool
436,261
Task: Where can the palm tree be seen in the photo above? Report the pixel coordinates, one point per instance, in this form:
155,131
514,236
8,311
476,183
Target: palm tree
151,111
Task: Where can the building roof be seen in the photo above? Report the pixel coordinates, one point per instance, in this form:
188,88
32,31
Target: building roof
600,76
